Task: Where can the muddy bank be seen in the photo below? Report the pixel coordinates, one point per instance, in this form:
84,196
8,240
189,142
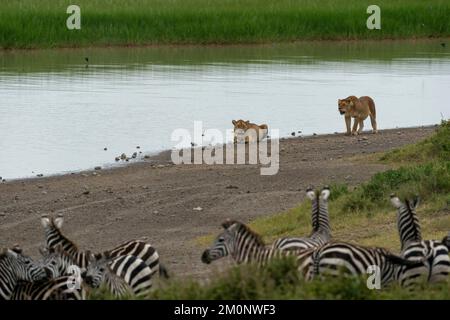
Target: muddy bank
103,208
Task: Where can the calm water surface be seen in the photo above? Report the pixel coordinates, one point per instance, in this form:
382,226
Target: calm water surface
57,115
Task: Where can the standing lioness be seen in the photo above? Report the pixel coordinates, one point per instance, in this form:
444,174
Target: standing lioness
359,109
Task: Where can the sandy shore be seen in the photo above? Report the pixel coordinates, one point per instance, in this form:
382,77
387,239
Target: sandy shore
104,208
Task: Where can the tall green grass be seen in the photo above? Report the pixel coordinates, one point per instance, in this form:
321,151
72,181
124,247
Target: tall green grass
37,24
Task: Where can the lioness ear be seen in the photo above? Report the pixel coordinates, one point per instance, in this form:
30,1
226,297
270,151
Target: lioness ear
234,122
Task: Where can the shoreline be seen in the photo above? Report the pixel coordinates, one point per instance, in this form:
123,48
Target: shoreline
223,45
163,157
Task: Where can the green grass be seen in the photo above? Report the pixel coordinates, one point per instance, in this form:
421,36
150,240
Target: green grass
280,280
42,24
363,216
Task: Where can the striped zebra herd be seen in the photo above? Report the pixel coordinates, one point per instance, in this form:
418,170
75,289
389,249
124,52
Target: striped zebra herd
66,272
318,254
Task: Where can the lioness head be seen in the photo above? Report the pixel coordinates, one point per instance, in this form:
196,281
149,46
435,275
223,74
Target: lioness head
240,124
344,105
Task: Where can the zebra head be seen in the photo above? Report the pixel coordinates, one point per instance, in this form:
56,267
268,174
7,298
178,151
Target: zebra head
20,266
236,240
56,261
97,269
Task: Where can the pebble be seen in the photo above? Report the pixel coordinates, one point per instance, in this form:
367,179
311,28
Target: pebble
134,155
98,168
160,166
197,209
39,175
304,159
348,177
138,147
231,187
2,214
94,173
293,134
44,192
117,159
155,211
16,198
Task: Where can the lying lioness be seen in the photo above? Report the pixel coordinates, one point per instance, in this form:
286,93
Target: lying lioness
248,132
359,109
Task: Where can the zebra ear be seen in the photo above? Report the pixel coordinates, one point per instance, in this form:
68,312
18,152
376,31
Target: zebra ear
227,223
415,202
310,193
11,253
325,192
395,201
58,221
17,249
45,221
234,122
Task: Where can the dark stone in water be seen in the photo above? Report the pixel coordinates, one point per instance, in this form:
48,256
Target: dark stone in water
105,148
98,168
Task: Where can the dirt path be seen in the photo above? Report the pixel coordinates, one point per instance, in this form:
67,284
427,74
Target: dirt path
111,206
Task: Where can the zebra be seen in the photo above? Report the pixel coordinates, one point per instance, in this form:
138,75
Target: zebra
14,267
246,246
436,266
139,248
341,258
122,275
321,230
60,288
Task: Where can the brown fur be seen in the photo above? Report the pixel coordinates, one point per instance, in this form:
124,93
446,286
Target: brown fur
249,136
358,109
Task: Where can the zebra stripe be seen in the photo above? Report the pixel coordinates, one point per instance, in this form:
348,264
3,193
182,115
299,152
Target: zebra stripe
54,289
123,275
245,246
340,258
321,230
14,267
433,253
138,248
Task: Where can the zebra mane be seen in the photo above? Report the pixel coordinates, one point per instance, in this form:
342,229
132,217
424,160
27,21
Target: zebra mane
241,227
55,227
410,205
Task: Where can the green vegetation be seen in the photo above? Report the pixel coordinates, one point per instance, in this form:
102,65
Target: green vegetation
280,280
42,24
363,215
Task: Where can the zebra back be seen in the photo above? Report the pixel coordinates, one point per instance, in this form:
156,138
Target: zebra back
246,246
337,258
121,275
61,288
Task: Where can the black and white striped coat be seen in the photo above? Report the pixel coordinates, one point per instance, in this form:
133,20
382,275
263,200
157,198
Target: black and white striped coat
16,267
122,275
245,246
141,249
321,230
345,259
433,253
60,288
